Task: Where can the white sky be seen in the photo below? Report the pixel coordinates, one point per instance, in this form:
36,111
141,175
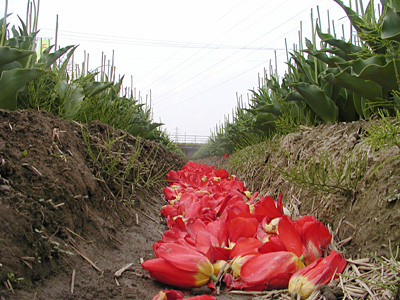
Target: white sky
194,56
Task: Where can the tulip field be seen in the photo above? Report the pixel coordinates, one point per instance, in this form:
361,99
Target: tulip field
219,232
331,77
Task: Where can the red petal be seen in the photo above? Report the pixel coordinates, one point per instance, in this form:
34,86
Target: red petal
266,207
204,243
169,295
202,297
173,234
169,210
172,177
221,173
316,238
271,269
245,246
289,236
242,227
169,193
274,244
324,269
299,223
218,229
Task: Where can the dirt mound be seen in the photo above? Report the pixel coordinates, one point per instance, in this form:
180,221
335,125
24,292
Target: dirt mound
77,199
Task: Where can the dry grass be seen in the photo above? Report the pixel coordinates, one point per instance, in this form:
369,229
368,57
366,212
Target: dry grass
365,278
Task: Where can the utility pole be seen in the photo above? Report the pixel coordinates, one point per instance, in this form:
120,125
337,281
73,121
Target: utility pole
176,135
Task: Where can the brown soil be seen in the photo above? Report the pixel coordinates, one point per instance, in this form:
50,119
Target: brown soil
64,216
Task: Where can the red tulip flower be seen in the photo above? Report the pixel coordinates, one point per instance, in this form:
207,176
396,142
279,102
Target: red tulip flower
168,295
179,266
240,225
270,270
202,297
320,272
238,263
178,295
310,242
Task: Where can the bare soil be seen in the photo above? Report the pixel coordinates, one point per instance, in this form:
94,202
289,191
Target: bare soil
67,224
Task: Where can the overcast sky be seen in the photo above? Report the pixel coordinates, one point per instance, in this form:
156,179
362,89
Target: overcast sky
194,56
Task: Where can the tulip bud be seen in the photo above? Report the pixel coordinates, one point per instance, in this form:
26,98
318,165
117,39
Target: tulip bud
238,262
178,295
179,266
270,270
168,295
320,272
218,265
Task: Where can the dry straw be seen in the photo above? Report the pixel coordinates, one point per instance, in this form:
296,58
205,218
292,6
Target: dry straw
365,278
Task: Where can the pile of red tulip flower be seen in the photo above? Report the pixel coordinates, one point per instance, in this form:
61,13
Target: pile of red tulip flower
216,223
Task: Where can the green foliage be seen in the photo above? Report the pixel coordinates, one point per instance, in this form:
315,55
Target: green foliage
49,84
342,81
126,172
383,135
14,81
324,174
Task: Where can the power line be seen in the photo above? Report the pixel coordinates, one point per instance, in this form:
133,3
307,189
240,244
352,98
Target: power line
209,89
163,95
216,22
165,77
148,42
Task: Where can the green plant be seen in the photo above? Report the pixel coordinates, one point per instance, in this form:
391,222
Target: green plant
383,135
124,162
328,80
18,61
54,84
322,173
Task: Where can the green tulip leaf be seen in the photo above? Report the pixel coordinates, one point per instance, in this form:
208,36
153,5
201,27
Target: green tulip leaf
358,23
9,55
50,58
347,49
322,56
72,95
12,82
376,69
294,96
391,24
93,88
323,106
267,108
365,88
